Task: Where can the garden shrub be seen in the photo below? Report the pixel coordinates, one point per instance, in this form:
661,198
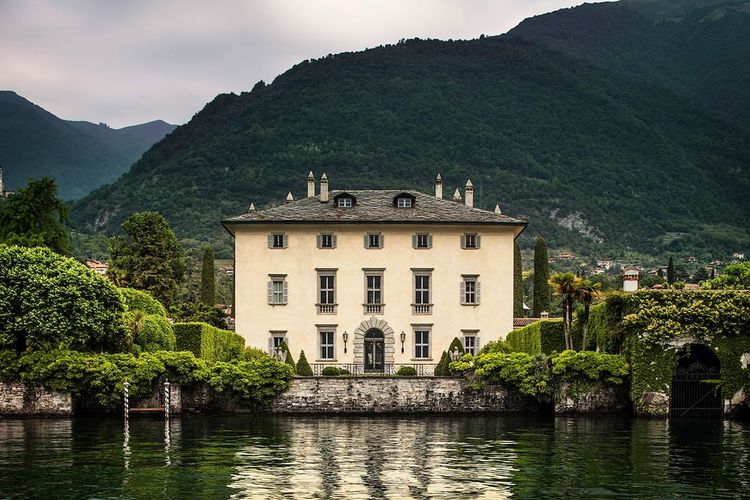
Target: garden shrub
303,367
289,359
499,345
250,353
138,300
589,365
407,371
540,337
456,344
208,342
333,371
529,374
442,368
251,383
155,334
48,301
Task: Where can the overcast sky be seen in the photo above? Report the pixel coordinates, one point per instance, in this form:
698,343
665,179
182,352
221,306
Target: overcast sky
130,61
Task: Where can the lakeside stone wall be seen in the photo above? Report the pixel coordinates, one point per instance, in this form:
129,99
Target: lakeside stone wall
19,399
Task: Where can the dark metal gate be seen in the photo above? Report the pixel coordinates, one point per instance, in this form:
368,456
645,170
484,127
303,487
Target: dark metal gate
696,391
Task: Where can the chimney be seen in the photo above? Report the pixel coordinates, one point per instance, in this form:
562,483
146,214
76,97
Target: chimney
469,193
251,208
289,198
324,189
310,185
439,187
497,210
2,186
457,196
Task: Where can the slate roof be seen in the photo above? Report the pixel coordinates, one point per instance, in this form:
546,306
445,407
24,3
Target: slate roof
374,206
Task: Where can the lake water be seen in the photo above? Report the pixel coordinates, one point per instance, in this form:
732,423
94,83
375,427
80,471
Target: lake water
361,457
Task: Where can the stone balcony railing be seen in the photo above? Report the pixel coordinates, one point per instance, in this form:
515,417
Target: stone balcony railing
326,308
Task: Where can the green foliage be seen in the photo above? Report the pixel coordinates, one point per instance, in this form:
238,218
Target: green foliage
541,278
254,382
498,345
155,334
529,374
289,359
251,353
198,312
670,272
148,256
303,367
137,300
333,371
456,344
208,342
605,323
442,368
34,216
48,301
517,282
582,365
540,337
735,276
406,371
207,292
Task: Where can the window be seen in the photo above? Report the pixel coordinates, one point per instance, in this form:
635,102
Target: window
422,240
404,203
470,240
327,339
326,240
277,289
344,202
373,240
278,240
470,290
374,289
471,341
326,291
275,340
422,291
422,344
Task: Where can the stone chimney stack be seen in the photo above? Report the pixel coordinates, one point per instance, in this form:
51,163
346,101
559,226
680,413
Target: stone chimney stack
2,186
469,193
324,189
439,187
457,196
497,209
289,197
310,185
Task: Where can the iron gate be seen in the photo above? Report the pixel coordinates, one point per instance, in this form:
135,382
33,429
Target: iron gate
696,392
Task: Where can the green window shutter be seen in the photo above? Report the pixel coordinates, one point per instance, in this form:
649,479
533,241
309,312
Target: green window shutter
270,241
463,241
319,240
333,241
270,346
286,292
429,241
477,345
463,292
286,240
382,241
478,239
414,240
270,292
367,240
476,292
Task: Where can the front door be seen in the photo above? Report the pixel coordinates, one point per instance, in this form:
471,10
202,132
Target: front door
374,351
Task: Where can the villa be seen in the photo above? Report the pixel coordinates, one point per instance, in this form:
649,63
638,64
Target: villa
368,278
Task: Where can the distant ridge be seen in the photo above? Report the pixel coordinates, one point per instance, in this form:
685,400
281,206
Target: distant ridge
81,156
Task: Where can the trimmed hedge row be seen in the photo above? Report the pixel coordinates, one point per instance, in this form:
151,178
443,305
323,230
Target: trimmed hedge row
137,300
208,342
541,337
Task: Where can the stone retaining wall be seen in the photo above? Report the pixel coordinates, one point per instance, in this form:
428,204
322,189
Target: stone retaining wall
19,399
591,397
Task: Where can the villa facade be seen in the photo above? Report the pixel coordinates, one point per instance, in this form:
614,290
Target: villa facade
373,279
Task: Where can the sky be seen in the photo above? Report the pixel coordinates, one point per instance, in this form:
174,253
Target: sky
125,62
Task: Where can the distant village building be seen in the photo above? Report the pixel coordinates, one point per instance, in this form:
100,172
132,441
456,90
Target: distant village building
228,270
738,255
3,192
99,267
630,280
369,277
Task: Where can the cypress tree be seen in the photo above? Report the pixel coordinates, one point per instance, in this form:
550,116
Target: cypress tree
208,290
303,367
517,282
670,271
541,277
289,359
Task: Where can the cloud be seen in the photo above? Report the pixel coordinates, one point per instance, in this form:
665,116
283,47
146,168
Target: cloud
130,62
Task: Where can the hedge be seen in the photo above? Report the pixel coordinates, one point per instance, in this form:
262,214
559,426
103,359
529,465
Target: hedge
138,300
541,337
208,342
156,334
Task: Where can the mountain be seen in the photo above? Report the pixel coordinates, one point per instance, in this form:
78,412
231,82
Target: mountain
595,161
81,156
697,48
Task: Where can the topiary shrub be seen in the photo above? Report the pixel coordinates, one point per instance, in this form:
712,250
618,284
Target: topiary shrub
142,301
209,342
250,353
48,302
331,371
442,368
540,337
155,334
303,367
406,371
289,359
456,344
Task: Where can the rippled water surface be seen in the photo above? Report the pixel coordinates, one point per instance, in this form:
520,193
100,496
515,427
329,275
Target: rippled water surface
360,457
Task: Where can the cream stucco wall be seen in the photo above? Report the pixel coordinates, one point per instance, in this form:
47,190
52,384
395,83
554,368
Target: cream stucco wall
254,262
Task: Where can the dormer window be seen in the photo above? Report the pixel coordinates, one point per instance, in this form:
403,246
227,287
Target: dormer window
404,203
344,202
404,200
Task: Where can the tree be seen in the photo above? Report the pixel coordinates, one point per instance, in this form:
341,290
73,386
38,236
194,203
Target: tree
565,286
35,217
670,272
517,281
701,275
148,256
208,294
192,312
48,301
735,276
586,292
541,278
303,367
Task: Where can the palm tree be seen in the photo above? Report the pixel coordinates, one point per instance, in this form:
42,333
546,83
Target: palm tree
586,293
565,286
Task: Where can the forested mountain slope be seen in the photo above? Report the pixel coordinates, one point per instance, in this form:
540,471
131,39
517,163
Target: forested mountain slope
594,160
80,156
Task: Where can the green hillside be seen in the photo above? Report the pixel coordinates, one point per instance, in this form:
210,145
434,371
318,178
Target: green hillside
698,48
596,162
81,156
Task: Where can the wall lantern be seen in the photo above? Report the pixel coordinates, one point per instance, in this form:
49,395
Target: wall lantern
403,339
346,337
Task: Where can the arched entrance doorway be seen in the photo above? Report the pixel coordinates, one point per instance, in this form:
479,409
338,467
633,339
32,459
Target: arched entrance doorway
374,345
696,388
